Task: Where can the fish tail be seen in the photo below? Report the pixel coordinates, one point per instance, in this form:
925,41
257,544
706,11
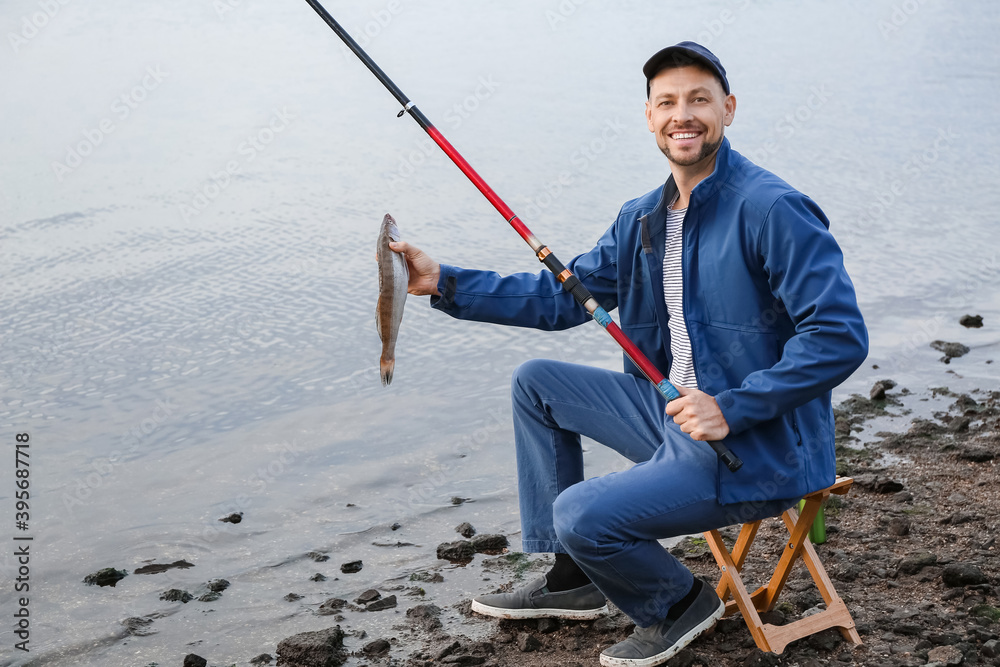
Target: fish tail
387,367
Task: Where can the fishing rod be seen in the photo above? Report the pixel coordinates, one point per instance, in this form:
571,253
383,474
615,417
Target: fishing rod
565,277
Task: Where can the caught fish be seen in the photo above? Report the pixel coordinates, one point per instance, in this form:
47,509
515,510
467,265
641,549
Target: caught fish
393,277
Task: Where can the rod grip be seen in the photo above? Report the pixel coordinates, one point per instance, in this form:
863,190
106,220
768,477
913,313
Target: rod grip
726,455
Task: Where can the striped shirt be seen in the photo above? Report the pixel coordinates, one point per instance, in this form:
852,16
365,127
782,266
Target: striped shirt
682,368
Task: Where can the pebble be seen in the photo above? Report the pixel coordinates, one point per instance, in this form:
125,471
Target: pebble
384,603
971,321
193,660
235,517
368,596
490,543
108,576
913,564
456,552
176,595
321,647
899,526
351,567
331,606
950,350
527,643
377,647
945,655
962,574
465,529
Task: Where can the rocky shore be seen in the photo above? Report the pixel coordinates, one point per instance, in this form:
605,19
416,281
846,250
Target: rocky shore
912,550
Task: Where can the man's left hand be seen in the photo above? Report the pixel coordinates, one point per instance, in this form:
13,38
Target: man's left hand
698,415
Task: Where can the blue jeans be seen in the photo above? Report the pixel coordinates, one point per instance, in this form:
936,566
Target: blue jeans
610,525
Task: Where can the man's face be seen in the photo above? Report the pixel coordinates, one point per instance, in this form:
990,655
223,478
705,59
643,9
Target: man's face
688,110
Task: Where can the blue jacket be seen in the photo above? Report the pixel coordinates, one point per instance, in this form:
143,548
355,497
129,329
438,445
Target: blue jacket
771,313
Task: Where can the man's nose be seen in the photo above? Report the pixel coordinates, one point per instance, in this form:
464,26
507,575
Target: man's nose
682,112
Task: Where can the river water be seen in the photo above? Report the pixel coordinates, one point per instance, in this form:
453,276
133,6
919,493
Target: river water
190,197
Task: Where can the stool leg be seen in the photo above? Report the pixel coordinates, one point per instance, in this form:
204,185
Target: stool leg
798,527
739,555
733,582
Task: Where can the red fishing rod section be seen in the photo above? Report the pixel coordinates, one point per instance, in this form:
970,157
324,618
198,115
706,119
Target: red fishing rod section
569,281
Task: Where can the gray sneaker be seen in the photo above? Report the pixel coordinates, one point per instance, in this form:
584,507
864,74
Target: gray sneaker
534,600
658,643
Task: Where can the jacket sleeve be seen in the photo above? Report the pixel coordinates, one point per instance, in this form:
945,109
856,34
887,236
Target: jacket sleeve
805,270
534,300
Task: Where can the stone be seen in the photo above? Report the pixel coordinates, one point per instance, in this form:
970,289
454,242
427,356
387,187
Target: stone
262,659
331,606
156,568
138,627
945,655
425,615
913,564
950,350
878,390
971,321
217,585
368,596
318,557
758,658
465,529
193,660
899,526
902,497
686,658
962,574
547,625
292,597
176,595
384,603
321,648
319,576
527,643
976,454
490,543
456,552
351,567
235,517
108,576
377,647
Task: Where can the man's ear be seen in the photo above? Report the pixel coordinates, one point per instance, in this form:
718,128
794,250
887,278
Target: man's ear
730,110
649,116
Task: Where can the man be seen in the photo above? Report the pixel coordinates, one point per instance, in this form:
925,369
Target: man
729,278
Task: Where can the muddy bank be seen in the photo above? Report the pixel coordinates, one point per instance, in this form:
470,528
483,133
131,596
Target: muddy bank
912,550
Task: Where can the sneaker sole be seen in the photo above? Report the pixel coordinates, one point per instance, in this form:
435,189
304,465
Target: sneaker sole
569,614
660,658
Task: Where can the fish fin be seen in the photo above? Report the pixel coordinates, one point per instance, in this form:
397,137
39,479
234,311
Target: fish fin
387,368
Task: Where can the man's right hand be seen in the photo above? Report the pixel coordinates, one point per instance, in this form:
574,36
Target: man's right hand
424,271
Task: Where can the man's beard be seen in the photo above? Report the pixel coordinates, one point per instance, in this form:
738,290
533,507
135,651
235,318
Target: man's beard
707,150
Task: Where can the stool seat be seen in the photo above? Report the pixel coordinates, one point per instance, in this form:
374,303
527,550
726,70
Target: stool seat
774,638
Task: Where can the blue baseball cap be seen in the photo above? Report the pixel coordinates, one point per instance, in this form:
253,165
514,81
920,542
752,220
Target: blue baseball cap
682,55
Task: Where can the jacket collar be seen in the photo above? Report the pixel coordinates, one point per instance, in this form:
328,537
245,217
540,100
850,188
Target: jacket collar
711,183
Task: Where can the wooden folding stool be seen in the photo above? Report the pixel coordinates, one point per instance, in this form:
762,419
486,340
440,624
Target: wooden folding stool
769,637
